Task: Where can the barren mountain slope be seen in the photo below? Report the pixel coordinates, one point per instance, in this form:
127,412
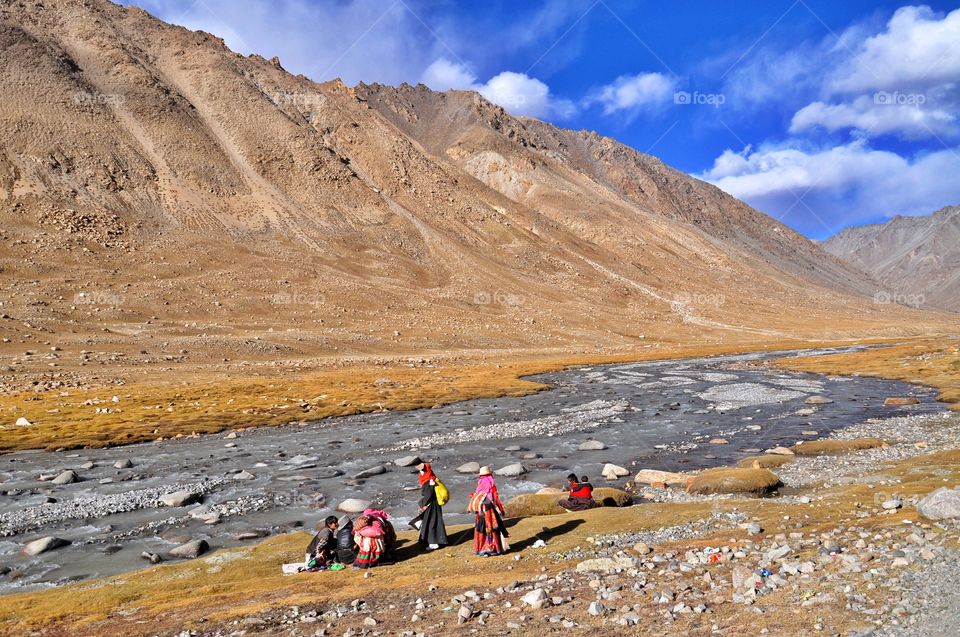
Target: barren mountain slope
171,200
915,257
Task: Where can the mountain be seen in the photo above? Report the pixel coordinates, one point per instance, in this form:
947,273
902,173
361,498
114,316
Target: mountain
156,186
916,259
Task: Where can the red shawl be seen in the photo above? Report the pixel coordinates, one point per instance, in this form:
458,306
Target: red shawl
427,474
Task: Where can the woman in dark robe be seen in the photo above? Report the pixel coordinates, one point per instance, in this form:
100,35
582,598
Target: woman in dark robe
433,534
581,494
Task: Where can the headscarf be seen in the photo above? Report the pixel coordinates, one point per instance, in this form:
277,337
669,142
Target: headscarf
486,485
360,523
426,474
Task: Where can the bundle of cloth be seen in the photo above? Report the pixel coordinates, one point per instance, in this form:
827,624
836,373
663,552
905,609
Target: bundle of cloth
375,538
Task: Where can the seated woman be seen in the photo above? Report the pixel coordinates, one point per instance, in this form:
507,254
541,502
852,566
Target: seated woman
581,494
375,538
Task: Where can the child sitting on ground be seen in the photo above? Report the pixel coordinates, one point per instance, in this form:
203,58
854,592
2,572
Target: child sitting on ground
581,494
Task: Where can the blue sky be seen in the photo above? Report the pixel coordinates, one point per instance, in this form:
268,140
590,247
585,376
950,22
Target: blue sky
822,114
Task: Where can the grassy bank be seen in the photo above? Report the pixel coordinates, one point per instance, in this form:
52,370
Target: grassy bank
202,404
931,362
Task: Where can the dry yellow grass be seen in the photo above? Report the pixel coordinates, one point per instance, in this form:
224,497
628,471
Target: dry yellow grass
835,446
934,362
740,480
530,504
200,404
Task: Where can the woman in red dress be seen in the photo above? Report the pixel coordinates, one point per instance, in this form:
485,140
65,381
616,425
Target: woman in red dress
489,533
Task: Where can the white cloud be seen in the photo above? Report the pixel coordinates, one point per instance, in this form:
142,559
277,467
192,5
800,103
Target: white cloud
838,185
918,49
632,92
518,93
878,114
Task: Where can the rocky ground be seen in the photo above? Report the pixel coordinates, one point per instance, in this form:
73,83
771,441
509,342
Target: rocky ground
880,567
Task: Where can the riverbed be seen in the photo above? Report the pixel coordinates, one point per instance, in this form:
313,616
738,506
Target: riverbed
260,482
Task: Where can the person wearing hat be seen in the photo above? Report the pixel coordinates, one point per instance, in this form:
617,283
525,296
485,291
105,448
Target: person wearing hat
433,533
489,533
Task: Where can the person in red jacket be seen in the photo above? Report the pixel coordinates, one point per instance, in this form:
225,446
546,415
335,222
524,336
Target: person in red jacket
581,494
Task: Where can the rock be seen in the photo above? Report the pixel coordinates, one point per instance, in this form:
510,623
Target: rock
612,471
719,441
739,480
67,477
592,445
511,470
530,504
153,558
898,401
642,548
464,614
122,464
249,535
752,528
780,451
890,505
653,476
179,498
43,545
818,400
23,422
605,565
243,475
806,411
353,505
409,461
596,609
190,550
535,598
88,465
469,467
940,505
550,491
369,473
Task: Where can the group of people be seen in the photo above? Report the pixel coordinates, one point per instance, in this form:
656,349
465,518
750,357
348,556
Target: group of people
369,540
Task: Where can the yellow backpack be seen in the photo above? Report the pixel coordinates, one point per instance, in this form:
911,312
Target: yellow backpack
443,496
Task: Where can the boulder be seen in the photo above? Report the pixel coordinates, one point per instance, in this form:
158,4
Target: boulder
190,550
243,475
765,462
67,477
536,598
153,558
612,471
408,461
818,400
899,401
23,422
122,464
511,470
719,441
369,473
942,504
550,491
780,451
724,480
353,505
469,467
529,504
179,498
43,545
592,445
654,476
836,446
